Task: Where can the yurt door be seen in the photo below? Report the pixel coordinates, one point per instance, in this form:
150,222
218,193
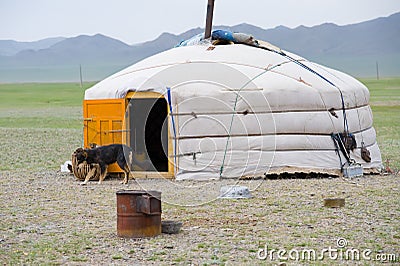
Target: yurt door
148,133
103,124
103,121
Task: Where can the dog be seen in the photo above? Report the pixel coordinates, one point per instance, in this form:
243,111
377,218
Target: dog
104,156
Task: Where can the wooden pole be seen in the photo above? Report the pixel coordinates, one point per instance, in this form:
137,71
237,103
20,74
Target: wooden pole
209,18
377,70
80,75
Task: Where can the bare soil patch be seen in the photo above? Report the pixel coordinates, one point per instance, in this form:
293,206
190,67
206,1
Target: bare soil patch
46,217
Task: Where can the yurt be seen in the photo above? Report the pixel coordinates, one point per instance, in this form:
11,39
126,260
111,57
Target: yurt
233,107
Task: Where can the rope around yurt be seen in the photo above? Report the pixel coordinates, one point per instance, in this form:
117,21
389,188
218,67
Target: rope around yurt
234,111
254,43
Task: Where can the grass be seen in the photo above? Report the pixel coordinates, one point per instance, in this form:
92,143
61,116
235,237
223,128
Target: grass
41,95
33,118
385,105
41,105
384,91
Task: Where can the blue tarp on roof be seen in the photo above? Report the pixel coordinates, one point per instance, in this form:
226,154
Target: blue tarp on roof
223,35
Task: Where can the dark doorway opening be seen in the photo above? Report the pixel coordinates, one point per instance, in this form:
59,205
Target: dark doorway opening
149,133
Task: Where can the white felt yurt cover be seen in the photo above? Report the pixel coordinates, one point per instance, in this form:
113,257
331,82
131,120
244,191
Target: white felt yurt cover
242,111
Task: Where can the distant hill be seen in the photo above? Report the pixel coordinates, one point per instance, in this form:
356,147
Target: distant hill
77,50
10,47
354,49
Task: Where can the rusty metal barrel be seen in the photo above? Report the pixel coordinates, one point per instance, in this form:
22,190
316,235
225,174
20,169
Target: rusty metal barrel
138,213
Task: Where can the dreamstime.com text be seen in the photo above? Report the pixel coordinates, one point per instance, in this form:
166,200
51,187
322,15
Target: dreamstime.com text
340,251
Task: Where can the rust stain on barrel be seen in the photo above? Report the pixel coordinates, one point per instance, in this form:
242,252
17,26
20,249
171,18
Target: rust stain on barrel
138,213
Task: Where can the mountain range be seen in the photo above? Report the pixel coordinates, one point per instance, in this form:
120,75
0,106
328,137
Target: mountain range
356,49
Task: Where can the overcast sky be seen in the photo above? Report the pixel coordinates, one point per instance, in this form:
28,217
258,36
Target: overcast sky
134,21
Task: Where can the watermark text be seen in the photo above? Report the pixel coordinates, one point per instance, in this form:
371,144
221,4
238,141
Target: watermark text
338,252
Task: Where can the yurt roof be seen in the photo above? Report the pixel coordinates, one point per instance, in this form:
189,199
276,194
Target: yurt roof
265,69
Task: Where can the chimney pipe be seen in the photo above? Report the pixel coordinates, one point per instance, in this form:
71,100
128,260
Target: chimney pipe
210,11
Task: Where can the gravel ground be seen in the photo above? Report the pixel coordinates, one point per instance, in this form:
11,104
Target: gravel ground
48,218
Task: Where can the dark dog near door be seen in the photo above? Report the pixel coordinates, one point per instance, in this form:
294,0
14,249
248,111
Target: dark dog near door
104,156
